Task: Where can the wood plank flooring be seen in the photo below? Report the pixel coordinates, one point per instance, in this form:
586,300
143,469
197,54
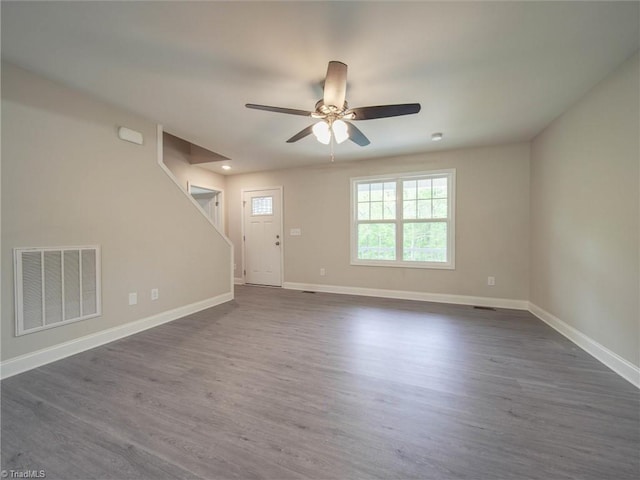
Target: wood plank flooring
284,385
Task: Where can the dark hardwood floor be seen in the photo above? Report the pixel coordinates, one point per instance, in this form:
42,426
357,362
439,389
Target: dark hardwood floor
282,384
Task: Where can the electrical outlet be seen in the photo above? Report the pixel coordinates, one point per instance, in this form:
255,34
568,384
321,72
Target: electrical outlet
155,294
133,298
323,272
491,281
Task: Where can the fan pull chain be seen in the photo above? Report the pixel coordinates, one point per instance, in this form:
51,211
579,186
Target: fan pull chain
332,144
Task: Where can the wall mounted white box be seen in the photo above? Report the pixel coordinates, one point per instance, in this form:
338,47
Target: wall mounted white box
129,135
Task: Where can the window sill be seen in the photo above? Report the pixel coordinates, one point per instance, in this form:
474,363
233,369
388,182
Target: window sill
395,264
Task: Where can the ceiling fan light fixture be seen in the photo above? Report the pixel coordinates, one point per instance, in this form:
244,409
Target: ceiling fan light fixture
322,132
334,112
340,131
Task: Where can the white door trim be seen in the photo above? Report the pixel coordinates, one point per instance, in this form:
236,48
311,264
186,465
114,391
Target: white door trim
281,226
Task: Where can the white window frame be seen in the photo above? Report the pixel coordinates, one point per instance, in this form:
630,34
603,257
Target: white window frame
399,221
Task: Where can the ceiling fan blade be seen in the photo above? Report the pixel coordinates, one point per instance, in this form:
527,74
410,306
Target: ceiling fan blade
356,136
301,134
291,111
384,111
335,85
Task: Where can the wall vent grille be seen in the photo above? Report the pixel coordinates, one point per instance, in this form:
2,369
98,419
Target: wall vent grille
56,286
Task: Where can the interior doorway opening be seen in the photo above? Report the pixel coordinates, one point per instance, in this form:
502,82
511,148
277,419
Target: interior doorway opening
210,200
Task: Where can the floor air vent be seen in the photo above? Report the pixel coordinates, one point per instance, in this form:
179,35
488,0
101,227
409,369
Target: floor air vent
55,286
484,308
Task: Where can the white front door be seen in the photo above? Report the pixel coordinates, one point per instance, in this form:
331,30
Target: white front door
262,211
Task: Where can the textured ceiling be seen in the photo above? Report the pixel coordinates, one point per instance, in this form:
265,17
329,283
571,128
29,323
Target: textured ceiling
484,72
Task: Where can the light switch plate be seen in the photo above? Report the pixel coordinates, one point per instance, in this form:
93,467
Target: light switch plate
295,232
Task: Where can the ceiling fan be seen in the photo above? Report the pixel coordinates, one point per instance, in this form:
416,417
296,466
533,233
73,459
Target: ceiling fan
334,112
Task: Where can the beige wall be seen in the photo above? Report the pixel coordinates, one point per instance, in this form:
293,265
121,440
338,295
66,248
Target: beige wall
585,215
492,222
68,180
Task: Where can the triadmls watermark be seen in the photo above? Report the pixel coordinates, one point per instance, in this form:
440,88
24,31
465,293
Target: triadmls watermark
23,473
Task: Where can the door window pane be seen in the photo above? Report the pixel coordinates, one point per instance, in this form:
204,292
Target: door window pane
262,206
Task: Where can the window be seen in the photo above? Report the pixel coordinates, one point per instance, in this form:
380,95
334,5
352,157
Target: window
404,220
261,206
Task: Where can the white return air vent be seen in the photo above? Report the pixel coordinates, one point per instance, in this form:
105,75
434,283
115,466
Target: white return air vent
55,286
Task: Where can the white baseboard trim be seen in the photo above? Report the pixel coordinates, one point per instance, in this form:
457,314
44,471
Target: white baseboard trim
22,363
406,295
238,281
615,362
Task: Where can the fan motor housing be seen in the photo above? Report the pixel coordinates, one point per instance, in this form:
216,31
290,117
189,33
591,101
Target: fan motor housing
330,109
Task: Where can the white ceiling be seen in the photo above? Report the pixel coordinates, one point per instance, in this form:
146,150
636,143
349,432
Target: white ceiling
484,72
